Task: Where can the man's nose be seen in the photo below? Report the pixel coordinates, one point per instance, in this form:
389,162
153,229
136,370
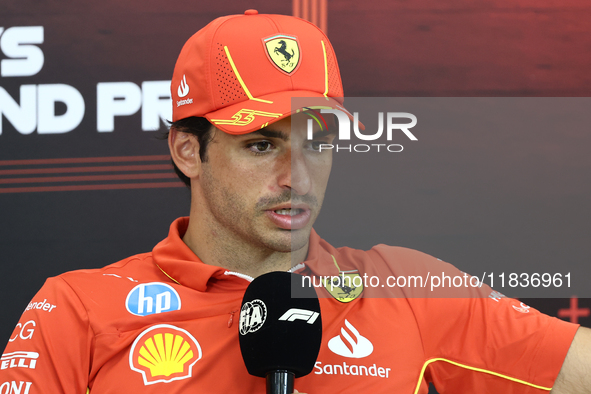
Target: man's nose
297,173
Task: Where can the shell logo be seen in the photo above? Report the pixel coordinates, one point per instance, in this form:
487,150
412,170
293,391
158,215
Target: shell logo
164,353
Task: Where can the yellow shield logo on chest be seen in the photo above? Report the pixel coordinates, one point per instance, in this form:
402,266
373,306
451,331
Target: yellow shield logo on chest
284,52
346,287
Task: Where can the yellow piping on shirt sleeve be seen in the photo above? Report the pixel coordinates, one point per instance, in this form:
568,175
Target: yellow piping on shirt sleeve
477,370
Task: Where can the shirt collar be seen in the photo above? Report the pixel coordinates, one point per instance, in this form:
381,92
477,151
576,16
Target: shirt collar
177,261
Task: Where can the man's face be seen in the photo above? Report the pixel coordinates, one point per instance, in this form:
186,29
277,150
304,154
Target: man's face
266,187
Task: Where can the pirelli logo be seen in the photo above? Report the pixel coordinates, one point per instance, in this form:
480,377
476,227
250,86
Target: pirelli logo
19,360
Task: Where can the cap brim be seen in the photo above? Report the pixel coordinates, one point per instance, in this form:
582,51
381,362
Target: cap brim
254,114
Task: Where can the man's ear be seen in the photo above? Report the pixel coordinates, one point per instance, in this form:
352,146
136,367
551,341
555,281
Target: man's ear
184,150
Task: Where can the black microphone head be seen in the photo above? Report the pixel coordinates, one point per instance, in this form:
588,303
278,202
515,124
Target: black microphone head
278,332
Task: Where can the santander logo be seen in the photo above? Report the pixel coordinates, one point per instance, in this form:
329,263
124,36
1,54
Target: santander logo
183,89
350,343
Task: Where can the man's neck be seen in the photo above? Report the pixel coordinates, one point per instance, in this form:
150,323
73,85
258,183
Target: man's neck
215,245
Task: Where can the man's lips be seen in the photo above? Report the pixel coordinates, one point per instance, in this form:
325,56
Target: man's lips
289,217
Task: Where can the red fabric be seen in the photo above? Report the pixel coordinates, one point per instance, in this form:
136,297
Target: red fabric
204,82
85,335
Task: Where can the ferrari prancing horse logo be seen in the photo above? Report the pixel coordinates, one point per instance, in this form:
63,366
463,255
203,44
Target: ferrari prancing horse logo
283,51
345,288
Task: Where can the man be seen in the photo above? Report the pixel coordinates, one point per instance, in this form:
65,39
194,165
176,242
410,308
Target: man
167,320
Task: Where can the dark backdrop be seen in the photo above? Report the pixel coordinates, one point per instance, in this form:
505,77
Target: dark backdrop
385,48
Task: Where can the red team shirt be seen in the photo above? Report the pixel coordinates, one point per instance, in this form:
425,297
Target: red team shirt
165,321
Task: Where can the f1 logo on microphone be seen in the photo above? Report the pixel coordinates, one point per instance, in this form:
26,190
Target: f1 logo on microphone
300,314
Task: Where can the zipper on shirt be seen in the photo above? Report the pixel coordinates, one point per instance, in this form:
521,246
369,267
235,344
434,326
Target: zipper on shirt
242,276
250,279
231,318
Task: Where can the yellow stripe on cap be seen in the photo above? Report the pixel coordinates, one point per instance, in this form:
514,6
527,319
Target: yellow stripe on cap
240,78
325,70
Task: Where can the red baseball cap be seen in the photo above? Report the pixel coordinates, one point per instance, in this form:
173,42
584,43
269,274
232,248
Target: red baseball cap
241,71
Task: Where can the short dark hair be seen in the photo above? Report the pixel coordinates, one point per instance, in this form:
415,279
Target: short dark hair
200,128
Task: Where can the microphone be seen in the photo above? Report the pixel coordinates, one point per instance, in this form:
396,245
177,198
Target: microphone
280,335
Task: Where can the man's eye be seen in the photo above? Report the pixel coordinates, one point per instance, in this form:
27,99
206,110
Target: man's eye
315,145
261,146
